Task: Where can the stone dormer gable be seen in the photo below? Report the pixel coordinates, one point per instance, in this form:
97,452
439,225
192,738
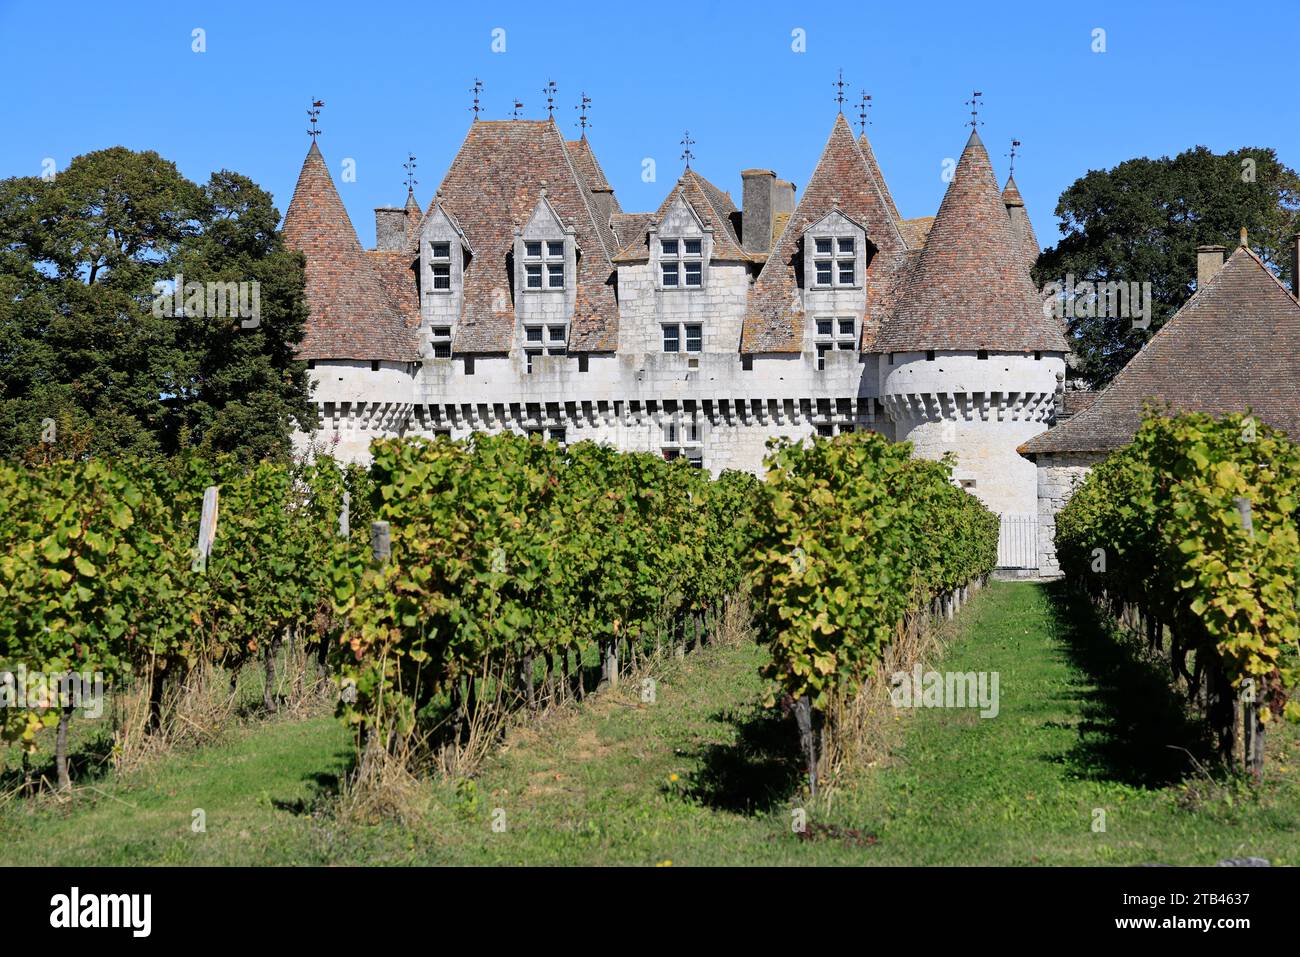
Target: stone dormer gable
545,252
836,252
444,255
442,243
713,209
681,247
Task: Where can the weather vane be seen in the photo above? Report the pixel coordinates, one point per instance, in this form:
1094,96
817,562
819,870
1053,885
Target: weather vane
409,166
549,93
974,104
839,94
515,112
1012,154
476,89
582,108
314,113
864,112
687,143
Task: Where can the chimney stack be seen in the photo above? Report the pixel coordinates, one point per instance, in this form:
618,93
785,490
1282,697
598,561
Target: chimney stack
1209,260
390,228
757,212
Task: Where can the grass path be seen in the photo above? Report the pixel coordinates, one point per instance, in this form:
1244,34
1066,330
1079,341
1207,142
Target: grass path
702,775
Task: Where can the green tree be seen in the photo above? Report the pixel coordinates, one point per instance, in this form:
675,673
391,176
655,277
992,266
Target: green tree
1142,221
84,258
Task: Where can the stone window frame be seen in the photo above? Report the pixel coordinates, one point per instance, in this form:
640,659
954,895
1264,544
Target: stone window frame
682,436
440,342
830,229
549,233
836,258
682,337
546,343
680,259
837,340
440,266
546,262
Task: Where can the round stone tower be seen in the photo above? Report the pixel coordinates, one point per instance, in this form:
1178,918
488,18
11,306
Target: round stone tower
969,362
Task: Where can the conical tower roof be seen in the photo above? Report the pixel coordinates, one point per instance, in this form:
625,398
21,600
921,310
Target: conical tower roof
970,288
1020,225
414,217
351,316
869,155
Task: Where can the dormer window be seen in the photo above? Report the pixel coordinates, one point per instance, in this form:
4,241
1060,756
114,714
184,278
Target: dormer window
681,263
544,264
836,260
440,266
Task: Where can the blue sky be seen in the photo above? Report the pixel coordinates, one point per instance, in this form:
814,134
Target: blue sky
395,78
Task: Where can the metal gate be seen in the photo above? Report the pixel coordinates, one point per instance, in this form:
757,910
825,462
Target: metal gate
1018,542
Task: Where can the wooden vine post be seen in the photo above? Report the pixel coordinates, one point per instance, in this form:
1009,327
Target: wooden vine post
1252,755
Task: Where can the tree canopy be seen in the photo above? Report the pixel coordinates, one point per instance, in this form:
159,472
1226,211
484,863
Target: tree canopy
91,342
1142,221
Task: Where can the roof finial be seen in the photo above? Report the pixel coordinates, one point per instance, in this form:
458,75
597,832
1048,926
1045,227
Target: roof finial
476,89
864,112
687,143
1012,154
549,93
974,104
839,93
1243,235
514,114
582,107
409,166
314,112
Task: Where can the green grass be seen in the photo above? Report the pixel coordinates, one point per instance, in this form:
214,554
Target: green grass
1083,725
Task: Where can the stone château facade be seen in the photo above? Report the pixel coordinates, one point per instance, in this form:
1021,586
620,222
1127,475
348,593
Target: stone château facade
524,298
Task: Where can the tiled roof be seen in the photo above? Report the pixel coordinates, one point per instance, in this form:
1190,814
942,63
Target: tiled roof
971,288
1021,227
628,226
414,218
397,271
587,164
712,205
351,314
494,183
1235,345
915,231
1078,400
842,180
869,155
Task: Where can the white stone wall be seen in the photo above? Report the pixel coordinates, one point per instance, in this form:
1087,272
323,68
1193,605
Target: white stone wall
981,411
1058,476
718,306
